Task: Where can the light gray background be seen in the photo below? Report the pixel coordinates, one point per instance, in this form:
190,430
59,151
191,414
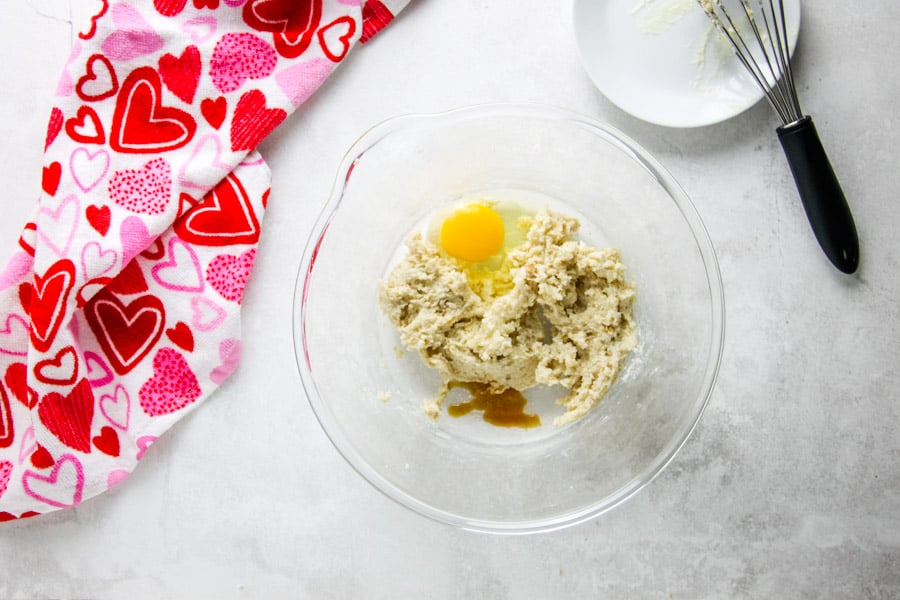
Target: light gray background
789,488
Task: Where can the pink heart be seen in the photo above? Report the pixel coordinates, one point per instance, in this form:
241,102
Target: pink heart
238,57
210,152
252,160
73,329
207,314
117,407
230,355
172,387
14,336
17,270
300,81
57,228
135,36
66,86
88,168
115,477
96,261
200,28
98,373
29,445
143,443
228,274
62,488
146,190
181,272
134,237
5,473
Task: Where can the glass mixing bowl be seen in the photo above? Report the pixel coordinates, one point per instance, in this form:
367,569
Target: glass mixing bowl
368,395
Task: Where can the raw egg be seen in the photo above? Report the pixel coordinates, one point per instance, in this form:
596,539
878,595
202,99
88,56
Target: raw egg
473,233
479,235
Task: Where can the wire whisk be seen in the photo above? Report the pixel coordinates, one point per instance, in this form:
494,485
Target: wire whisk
757,32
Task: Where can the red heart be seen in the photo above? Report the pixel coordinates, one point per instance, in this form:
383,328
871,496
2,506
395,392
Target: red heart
172,387
69,417
93,28
7,433
41,458
253,121
375,16
292,44
214,110
342,40
107,442
62,369
224,217
93,85
81,131
293,22
130,280
16,379
213,4
50,180
7,516
54,126
155,251
98,217
141,124
25,290
185,203
48,302
23,242
169,8
126,333
91,287
278,16
181,74
181,336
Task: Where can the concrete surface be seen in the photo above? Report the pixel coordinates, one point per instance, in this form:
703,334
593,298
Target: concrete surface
790,486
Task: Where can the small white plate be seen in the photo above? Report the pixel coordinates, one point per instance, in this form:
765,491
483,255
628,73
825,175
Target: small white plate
662,61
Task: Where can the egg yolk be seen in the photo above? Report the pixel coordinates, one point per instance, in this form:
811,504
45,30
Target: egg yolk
473,233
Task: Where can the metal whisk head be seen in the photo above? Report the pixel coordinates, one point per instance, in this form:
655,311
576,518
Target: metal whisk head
758,34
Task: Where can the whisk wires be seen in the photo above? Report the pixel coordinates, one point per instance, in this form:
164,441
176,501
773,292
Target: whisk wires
759,39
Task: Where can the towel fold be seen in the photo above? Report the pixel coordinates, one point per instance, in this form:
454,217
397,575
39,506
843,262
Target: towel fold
120,308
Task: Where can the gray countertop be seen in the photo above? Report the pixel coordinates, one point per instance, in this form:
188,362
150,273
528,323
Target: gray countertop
790,485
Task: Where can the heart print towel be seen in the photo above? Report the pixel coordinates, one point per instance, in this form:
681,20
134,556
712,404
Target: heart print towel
120,305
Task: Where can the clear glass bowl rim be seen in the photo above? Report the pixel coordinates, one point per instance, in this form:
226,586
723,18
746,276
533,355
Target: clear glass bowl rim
345,447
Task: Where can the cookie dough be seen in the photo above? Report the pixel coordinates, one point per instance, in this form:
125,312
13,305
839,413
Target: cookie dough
567,320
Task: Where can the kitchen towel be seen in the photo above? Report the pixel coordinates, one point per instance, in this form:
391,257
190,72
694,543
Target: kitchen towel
120,307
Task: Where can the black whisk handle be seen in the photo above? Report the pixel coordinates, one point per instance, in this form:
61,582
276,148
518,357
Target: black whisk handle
821,194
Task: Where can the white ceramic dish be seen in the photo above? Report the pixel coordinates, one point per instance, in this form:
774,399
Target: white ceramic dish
660,60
